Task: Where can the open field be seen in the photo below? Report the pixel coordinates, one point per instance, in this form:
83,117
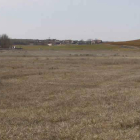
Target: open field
128,43
70,95
73,47
69,47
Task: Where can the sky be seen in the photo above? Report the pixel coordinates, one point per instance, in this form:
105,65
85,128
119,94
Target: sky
109,20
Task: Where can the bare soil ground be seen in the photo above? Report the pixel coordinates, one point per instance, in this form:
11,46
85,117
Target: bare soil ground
69,95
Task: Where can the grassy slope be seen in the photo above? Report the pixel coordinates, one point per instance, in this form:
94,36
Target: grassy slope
72,47
128,43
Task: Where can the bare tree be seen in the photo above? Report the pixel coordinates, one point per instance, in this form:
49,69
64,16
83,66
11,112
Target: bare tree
5,41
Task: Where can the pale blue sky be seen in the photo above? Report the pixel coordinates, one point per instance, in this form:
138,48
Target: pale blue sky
109,20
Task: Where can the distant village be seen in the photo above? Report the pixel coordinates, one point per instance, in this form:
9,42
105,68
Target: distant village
53,42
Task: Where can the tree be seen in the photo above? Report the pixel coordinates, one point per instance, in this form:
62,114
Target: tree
5,41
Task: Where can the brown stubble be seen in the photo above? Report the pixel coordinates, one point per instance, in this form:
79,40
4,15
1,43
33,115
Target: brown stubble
69,98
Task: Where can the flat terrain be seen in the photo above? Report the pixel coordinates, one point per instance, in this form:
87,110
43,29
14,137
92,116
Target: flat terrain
94,47
70,94
70,47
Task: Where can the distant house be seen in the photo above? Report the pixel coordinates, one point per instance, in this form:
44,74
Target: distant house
81,42
98,41
50,44
75,42
93,42
67,42
57,42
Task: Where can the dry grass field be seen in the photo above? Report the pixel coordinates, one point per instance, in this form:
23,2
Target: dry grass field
128,43
69,95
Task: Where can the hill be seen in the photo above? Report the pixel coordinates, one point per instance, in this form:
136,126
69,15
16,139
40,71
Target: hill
128,43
